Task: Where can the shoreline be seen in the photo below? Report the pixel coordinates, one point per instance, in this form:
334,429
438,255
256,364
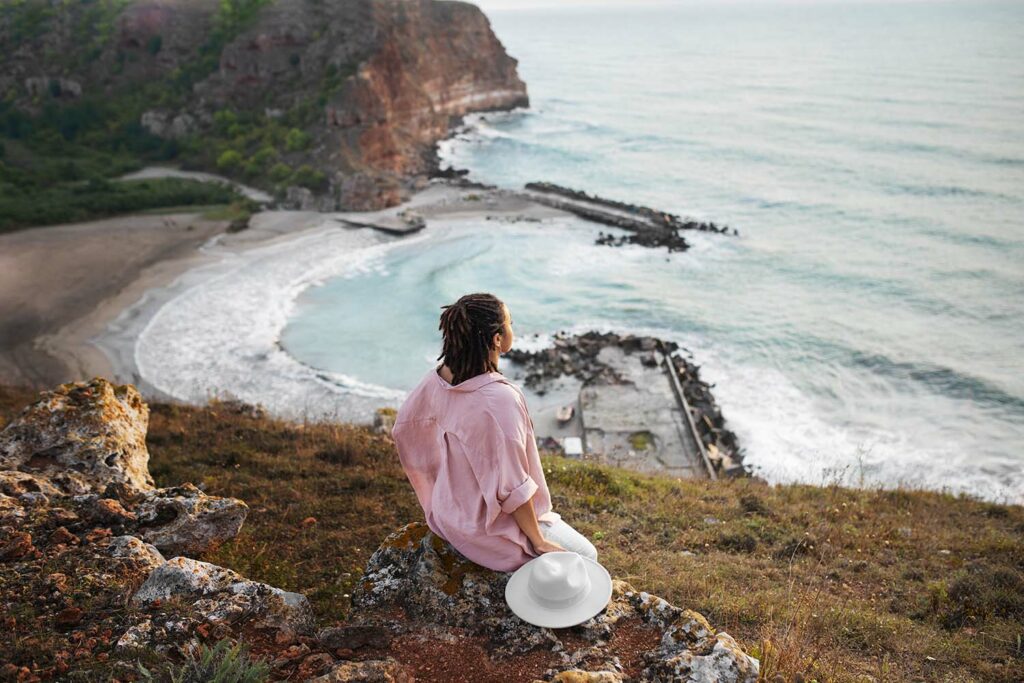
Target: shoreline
76,296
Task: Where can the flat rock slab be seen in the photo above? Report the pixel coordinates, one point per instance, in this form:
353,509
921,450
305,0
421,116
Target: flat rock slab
639,424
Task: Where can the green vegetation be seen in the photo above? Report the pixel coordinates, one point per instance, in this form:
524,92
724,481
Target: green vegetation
830,583
91,199
223,663
640,441
46,159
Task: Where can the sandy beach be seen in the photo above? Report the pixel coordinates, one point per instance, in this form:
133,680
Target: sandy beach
66,290
61,284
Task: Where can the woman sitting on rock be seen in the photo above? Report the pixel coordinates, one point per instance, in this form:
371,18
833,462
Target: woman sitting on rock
465,439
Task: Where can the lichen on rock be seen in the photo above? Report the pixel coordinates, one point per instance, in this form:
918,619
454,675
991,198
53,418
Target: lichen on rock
82,436
184,520
436,586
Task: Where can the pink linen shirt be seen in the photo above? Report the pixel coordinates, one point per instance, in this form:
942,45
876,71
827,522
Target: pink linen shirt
470,453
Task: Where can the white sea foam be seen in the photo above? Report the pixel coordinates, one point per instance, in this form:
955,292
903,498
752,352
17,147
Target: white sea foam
219,335
787,436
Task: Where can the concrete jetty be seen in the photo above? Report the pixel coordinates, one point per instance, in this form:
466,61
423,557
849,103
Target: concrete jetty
631,406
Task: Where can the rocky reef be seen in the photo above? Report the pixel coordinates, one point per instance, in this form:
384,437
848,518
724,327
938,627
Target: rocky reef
97,575
374,84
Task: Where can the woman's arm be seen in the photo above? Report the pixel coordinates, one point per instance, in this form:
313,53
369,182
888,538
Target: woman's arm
526,518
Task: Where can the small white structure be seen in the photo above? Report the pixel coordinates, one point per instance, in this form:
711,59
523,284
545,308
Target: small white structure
573,446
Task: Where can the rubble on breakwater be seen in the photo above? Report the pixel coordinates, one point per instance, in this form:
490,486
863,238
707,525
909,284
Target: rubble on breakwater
647,227
578,356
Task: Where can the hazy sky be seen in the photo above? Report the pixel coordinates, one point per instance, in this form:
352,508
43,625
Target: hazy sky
525,4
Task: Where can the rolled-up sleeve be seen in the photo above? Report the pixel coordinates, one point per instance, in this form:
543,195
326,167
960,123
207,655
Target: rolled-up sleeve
515,485
500,461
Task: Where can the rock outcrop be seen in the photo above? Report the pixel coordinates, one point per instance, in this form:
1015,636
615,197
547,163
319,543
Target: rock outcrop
82,438
87,440
82,525
373,83
100,555
436,587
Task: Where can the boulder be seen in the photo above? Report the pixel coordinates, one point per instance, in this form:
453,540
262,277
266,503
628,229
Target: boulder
185,521
136,550
81,437
222,596
370,671
164,124
87,441
435,585
76,496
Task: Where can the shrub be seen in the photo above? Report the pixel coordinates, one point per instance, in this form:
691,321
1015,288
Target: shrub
229,160
280,172
296,140
222,663
307,176
263,156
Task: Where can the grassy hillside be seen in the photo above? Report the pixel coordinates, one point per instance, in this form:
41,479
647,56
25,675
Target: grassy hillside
827,584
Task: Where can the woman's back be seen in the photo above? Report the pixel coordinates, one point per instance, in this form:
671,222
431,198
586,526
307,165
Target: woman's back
470,453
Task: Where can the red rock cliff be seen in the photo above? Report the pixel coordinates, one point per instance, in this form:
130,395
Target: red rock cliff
384,79
433,62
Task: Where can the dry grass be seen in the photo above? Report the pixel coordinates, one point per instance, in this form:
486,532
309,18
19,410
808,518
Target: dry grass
822,583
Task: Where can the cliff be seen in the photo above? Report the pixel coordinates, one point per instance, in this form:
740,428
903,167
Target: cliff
363,88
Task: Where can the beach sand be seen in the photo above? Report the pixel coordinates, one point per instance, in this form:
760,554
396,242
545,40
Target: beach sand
61,284
62,287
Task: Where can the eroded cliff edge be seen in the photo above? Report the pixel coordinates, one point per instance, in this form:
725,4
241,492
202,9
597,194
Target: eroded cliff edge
370,86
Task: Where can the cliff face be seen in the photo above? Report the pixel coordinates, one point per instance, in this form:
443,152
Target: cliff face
383,79
433,62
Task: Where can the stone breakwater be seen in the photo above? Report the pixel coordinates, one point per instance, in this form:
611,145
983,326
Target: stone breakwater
578,356
89,589
648,227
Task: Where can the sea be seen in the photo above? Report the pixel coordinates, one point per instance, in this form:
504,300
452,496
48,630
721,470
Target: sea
865,326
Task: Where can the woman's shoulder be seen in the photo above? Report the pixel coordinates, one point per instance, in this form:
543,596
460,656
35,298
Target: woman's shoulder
503,394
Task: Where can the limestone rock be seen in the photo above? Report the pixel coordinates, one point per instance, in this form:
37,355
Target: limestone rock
163,125
185,521
16,484
57,87
370,671
82,436
221,596
578,676
435,585
132,548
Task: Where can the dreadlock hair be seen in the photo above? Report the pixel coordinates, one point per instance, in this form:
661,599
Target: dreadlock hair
467,327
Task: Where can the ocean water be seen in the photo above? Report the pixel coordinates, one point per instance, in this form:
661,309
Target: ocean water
866,326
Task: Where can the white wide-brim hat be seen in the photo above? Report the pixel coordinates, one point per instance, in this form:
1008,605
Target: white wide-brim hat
558,590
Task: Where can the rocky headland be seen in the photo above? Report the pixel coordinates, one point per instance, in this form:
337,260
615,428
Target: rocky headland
363,88
99,563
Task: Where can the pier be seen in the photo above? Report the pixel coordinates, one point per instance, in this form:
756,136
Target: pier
630,409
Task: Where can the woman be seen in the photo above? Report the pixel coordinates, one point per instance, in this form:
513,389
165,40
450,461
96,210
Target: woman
465,439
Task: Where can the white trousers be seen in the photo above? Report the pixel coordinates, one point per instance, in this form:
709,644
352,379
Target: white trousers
564,535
